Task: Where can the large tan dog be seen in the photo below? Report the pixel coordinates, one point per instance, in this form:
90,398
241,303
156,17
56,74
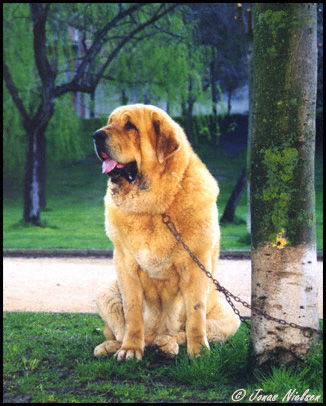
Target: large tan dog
161,297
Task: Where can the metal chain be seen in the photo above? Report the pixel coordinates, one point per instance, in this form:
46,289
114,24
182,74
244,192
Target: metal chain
306,331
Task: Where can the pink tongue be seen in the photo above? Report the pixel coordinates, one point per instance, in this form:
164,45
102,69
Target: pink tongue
108,165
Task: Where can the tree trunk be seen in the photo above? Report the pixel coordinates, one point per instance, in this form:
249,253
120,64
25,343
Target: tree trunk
33,177
229,101
92,104
213,121
282,179
42,155
189,123
228,214
247,24
123,97
250,46
189,108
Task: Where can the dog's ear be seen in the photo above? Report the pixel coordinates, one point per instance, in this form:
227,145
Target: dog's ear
167,140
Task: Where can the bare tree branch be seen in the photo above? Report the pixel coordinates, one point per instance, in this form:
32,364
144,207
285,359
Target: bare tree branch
47,75
75,84
39,16
14,94
130,36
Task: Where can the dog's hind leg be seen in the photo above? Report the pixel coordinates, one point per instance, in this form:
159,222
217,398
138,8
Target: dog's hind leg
221,321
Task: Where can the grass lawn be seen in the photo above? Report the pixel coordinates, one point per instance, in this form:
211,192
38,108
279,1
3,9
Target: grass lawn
48,357
74,217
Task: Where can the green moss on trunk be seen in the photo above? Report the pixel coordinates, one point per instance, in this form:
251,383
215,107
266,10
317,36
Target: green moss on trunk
283,133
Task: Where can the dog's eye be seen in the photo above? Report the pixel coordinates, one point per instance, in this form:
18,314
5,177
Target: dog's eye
130,126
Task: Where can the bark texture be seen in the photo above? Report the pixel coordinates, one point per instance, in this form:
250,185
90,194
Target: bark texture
282,178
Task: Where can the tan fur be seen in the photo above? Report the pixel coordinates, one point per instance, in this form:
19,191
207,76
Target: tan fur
161,297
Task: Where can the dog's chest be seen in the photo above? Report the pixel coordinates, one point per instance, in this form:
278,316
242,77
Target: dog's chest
147,240
155,267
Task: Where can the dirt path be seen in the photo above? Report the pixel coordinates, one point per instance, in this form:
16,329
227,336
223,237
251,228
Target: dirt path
69,284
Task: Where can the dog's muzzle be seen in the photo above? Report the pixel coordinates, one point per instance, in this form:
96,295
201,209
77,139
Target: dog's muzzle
110,166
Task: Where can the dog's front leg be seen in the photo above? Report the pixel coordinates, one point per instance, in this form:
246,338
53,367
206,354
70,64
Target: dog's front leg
133,343
194,289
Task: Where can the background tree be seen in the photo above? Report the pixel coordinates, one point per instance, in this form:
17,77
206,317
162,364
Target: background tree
169,67
219,31
157,71
282,179
229,211
245,17
123,22
222,27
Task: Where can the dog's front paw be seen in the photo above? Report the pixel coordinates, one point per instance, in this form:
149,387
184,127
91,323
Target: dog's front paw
167,345
124,354
195,348
107,348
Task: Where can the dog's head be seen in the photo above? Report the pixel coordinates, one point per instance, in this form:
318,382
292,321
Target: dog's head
135,138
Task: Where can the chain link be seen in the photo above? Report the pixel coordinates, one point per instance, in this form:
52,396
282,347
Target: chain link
306,331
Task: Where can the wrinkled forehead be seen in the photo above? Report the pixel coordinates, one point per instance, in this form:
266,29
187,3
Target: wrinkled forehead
135,112
122,114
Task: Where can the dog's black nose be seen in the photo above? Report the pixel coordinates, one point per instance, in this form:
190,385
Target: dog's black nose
99,135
